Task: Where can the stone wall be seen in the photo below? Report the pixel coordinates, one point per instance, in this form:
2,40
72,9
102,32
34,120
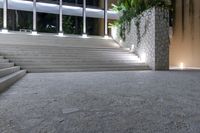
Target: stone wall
151,40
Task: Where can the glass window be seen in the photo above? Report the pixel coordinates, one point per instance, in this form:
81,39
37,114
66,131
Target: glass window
1,18
95,26
19,20
95,4
72,24
47,22
49,1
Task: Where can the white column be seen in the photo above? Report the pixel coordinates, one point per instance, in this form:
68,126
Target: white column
34,18
60,19
105,18
84,18
5,6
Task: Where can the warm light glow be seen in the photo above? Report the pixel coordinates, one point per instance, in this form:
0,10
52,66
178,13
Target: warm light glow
34,33
132,48
120,41
107,37
143,57
114,32
181,66
5,31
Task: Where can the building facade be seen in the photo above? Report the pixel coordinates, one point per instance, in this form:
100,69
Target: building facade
20,15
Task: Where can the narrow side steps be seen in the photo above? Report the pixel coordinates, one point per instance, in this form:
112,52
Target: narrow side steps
9,73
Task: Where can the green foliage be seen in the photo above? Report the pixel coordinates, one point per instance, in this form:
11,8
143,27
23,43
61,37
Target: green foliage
68,25
130,9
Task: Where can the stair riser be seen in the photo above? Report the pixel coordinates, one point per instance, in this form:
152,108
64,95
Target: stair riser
86,70
63,53
80,64
4,60
2,66
77,63
7,83
62,49
8,71
71,58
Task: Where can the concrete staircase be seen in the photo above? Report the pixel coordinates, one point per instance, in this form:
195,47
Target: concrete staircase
9,73
47,53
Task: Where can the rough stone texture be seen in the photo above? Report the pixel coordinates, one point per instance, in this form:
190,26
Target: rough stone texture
153,47
103,102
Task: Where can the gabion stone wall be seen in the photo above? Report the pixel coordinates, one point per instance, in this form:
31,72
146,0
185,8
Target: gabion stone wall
150,39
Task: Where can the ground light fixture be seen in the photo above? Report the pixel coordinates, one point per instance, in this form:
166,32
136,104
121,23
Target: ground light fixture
4,31
84,36
143,57
181,66
34,33
106,37
60,34
132,48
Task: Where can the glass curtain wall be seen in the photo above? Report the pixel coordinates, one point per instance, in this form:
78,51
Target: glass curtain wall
19,20
72,24
95,26
47,22
23,20
110,6
1,18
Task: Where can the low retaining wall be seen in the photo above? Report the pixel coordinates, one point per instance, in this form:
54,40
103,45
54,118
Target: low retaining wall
153,44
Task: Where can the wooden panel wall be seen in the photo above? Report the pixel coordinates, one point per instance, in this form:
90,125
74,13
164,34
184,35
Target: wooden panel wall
185,44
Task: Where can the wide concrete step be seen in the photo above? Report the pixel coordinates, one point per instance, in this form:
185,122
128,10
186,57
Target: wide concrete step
62,49
52,40
7,71
67,64
41,70
9,80
81,66
73,61
6,65
78,57
65,53
4,60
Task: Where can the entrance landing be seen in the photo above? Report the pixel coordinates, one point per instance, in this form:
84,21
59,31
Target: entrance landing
109,102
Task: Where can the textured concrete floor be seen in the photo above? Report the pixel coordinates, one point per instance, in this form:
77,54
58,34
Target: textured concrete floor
103,102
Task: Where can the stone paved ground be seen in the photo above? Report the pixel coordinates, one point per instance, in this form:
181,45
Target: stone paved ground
103,102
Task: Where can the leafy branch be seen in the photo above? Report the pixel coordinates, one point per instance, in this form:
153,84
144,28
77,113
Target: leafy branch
129,9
